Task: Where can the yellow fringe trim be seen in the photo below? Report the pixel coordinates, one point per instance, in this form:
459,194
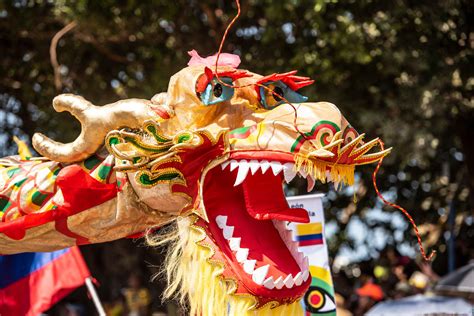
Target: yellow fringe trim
194,280
318,168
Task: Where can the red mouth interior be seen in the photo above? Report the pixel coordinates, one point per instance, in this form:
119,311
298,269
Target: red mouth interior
250,209
264,199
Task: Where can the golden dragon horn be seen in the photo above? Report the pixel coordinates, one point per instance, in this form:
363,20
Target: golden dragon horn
96,122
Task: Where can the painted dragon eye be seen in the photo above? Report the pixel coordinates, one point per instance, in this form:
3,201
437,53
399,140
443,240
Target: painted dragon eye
217,92
275,93
278,94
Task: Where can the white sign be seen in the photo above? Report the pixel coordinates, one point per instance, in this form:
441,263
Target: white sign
319,300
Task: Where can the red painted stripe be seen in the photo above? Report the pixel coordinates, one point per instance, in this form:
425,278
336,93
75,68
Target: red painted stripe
263,155
234,134
312,135
61,226
43,288
310,242
160,111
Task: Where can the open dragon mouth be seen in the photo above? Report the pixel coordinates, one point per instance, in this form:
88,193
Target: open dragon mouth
248,216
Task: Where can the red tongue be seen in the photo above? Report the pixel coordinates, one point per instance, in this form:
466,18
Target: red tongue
264,200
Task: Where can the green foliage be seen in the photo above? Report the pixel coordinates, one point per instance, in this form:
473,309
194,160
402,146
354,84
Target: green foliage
397,69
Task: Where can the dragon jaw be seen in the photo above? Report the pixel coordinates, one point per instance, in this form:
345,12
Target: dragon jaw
244,213
247,213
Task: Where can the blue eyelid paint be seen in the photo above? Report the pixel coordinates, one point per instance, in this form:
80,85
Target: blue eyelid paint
288,94
208,98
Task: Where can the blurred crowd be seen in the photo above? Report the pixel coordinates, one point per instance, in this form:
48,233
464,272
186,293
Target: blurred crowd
392,276
358,287
136,298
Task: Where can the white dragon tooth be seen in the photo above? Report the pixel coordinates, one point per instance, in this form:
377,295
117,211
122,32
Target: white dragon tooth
287,237
300,258
303,173
234,243
279,225
328,176
305,275
289,282
221,221
254,166
289,172
305,264
228,231
279,283
242,254
260,274
298,278
269,283
249,266
294,248
233,164
311,183
264,165
242,173
276,167
225,164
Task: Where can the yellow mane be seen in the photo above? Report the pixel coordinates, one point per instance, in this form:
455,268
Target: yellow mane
193,280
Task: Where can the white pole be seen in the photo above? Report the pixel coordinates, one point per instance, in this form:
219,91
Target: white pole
95,297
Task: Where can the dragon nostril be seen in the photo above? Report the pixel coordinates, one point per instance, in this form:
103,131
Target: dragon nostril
217,90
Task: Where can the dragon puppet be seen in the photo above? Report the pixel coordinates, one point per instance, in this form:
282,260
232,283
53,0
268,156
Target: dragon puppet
208,157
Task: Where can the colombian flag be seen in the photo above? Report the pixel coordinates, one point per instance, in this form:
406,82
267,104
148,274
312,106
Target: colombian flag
309,234
31,283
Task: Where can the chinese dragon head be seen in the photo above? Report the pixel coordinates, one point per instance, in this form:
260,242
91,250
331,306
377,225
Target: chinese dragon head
209,155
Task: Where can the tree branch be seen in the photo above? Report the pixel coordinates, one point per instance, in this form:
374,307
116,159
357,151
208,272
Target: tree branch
53,53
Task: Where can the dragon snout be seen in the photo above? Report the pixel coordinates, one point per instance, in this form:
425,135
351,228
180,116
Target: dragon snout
313,136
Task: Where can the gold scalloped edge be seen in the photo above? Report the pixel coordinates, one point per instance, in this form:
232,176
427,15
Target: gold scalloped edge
220,264
201,211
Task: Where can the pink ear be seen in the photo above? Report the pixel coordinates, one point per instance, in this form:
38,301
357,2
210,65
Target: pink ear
224,60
